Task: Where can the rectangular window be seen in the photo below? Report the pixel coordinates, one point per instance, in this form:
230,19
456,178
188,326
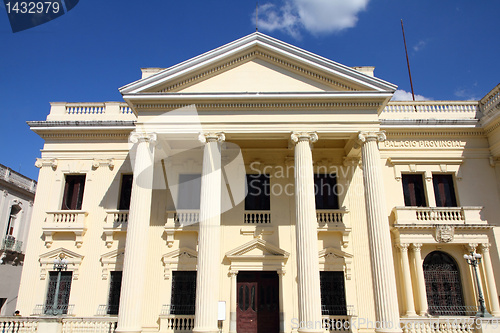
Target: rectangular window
115,286
413,190
125,192
333,294
325,190
183,292
57,300
189,191
444,190
73,192
258,196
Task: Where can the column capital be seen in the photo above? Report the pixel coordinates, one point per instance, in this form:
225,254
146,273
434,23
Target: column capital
403,247
297,137
138,137
471,247
371,136
232,273
212,137
416,247
485,247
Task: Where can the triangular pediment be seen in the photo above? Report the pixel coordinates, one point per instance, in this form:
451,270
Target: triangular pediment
257,63
67,254
257,248
113,256
184,253
332,253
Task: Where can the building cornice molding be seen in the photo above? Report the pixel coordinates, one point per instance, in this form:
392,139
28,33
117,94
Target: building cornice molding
438,132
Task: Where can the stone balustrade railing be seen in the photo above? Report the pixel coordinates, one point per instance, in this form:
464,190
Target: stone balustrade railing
257,217
438,215
116,217
92,324
331,216
176,322
17,179
183,217
18,324
446,324
491,100
63,218
430,109
62,111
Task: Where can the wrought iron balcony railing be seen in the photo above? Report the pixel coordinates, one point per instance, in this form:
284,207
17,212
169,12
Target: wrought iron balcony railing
455,310
9,243
106,309
51,310
172,309
337,310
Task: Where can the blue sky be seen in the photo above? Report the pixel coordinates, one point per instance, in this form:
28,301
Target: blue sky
99,46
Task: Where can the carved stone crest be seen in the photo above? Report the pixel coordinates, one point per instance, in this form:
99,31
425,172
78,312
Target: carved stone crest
444,233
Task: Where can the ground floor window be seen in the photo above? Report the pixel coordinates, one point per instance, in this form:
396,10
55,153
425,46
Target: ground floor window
115,286
333,293
443,285
183,292
58,291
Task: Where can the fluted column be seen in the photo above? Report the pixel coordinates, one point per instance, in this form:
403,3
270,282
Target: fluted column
306,233
281,274
134,262
419,269
207,281
379,235
410,306
490,280
232,304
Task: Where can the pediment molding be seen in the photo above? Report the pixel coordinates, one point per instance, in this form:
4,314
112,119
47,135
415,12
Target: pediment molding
183,258
257,45
112,261
332,259
47,261
269,251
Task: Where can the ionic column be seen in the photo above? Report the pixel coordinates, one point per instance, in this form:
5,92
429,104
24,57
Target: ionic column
490,280
281,274
379,235
410,306
207,281
232,302
306,233
419,269
134,263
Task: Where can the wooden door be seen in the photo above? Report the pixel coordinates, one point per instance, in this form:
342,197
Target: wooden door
257,302
247,307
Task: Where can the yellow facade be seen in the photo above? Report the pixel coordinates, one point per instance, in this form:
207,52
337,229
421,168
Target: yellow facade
271,101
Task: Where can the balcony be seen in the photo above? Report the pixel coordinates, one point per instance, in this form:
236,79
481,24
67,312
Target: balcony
65,221
185,220
116,221
438,215
257,217
176,322
335,220
65,324
10,243
49,310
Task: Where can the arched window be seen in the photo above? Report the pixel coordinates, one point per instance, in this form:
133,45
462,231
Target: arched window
443,285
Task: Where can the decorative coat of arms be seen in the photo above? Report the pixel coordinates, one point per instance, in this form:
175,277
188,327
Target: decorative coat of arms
444,233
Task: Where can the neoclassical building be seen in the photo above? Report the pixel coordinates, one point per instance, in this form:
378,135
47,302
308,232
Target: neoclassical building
259,187
17,193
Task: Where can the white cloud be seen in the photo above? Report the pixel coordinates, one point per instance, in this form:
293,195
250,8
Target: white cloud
402,95
315,16
420,45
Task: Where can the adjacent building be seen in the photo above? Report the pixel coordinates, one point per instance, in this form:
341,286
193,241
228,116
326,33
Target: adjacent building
262,188
17,193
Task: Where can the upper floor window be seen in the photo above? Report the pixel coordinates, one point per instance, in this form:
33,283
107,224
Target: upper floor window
115,286
189,191
413,190
73,192
125,192
325,189
258,196
444,190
